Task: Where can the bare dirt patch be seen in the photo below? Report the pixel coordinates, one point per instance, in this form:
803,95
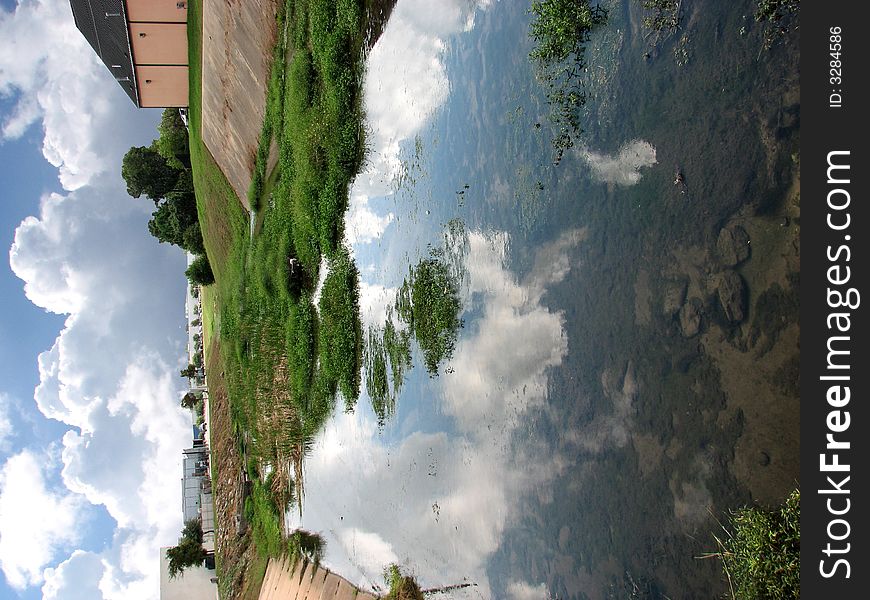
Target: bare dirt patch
234,552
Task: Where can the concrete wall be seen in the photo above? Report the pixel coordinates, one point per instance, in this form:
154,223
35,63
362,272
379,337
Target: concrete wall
165,11
159,43
162,86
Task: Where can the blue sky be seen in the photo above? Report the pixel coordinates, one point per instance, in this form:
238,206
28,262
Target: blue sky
92,332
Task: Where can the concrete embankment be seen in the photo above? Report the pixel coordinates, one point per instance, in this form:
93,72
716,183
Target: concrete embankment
306,581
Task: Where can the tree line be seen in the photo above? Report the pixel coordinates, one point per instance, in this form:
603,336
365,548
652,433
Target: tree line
161,172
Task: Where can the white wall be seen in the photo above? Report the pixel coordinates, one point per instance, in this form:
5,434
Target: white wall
193,584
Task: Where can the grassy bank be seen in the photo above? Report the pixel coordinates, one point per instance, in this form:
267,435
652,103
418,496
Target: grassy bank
284,362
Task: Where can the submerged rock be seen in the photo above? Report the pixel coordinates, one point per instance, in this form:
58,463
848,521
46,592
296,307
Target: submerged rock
733,245
675,295
690,318
732,296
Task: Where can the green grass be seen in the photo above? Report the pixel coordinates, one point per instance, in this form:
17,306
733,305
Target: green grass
264,516
760,553
284,363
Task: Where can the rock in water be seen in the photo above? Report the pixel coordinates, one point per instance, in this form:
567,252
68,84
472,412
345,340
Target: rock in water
675,294
733,245
732,296
690,318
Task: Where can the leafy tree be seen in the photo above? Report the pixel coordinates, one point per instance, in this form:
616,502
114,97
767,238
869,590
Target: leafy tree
191,239
173,141
176,222
189,371
192,531
147,172
199,272
189,551
189,400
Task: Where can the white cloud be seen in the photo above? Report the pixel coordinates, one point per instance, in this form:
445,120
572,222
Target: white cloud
406,82
76,578
363,225
367,549
52,74
520,590
6,430
624,167
35,521
439,503
373,301
112,372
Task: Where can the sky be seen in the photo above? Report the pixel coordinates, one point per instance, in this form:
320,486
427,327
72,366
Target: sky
92,329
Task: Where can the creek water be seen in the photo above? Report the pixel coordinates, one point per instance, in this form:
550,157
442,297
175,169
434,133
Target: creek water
584,435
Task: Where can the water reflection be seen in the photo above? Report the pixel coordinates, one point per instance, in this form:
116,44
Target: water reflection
406,82
438,502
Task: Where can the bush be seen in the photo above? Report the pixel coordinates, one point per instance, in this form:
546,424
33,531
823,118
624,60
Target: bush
761,557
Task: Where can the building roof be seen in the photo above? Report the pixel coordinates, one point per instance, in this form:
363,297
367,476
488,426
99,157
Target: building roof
104,25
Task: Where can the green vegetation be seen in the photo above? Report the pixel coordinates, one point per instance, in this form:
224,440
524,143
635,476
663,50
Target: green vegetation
560,30
402,587
189,551
340,340
428,302
161,172
265,518
661,15
172,144
761,555
285,363
387,358
199,272
426,308
302,544
778,18
146,171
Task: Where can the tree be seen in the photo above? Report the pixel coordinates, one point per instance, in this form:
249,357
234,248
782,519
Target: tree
189,400
189,372
199,272
192,531
147,172
173,141
176,222
189,551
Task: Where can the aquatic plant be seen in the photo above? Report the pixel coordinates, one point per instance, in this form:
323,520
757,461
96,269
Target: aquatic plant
760,554
778,18
402,587
560,30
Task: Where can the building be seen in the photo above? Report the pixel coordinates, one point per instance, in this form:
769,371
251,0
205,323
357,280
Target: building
195,481
143,43
194,584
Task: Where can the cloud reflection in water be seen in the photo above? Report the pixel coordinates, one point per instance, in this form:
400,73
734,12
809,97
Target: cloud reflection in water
439,502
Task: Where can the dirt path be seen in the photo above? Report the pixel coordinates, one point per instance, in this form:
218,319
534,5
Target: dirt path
238,37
